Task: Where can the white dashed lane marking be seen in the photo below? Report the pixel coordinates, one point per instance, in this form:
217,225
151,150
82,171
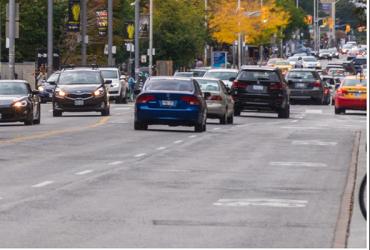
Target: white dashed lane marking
84,172
262,202
315,143
161,148
42,184
115,163
140,155
178,141
192,136
216,128
298,164
294,121
313,111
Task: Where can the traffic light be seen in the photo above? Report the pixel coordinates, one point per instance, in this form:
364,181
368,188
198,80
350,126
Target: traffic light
348,28
324,22
308,19
331,23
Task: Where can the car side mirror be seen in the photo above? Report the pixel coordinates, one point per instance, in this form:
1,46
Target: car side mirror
206,95
35,92
108,82
232,79
52,83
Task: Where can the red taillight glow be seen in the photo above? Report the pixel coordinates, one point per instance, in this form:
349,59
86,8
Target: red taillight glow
192,100
145,98
239,85
317,84
215,98
276,86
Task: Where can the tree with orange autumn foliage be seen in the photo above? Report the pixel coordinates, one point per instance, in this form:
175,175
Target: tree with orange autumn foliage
257,23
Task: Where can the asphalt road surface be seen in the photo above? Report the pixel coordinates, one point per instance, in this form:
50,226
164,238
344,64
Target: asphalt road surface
83,180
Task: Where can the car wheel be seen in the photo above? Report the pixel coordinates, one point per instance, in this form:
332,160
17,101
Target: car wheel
29,119
125,98
140,126
119,99
237,112
57,113
105,112
339,111
223,119
284,112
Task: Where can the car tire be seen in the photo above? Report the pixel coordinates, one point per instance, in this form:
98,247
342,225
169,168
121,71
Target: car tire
284,112
38,120
105,112
140,126
237,112
125,97
339,111
57,113
223,119
29,119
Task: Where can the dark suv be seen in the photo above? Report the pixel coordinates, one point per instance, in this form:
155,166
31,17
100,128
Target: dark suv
260,89
80,89
306,84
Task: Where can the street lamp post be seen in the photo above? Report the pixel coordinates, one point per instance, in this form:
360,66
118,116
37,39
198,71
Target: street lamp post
83,31
137,23
206,25
239,41
50,37
110,32
11,39
150,37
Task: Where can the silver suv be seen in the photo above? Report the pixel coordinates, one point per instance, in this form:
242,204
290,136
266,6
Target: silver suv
118,90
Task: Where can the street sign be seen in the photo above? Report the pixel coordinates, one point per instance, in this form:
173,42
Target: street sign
74,10
102,22
143,59
153,52
114,49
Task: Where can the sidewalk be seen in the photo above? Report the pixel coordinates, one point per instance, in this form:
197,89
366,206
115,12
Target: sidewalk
357,231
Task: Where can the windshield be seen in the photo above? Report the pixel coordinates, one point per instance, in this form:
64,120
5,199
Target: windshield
53,77
334,71
109,74
79,77
169,85
13,88
184,74
258,75
208,85
221,75
309,59
355,82
306,75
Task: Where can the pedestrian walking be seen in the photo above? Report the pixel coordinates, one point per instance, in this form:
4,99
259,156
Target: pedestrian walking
131,85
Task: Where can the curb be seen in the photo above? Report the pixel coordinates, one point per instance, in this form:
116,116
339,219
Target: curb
344,218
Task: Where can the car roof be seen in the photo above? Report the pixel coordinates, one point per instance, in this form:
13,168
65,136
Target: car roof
304,70
109,68
223,70
253,67
14,81
170,78
206,78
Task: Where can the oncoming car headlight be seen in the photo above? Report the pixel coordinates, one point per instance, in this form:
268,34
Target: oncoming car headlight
60,93
20,104
41,88
99,92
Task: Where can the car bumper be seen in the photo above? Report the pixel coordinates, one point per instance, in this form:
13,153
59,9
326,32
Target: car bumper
345,103
258,102
148,115
114,92
91,104
305,94
215,110
13,115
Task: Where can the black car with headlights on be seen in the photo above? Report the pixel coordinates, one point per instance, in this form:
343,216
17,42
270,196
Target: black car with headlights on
18,103
81,89
46,90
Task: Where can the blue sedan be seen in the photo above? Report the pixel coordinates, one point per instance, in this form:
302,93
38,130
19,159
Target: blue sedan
171,101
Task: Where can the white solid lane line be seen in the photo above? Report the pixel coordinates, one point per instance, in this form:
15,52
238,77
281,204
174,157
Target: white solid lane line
178,141
161,148
313,111
192,136
140,155
216,128
84,172
314,143
115,163
126,108
262,202
294,121
303,128
42,184
298,164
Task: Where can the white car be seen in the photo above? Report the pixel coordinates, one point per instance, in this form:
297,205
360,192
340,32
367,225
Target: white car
293,60
118,90
222,74
310,62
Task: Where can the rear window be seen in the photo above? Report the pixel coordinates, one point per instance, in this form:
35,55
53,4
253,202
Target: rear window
258,75
109,73
355,82
169,85
309,59
220,75
360,61
208,85
304,75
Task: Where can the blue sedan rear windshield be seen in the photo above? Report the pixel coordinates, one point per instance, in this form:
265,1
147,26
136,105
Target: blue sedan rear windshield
169,85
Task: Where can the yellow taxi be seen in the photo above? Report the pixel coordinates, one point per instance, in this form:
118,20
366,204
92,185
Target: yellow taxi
283,65
351,94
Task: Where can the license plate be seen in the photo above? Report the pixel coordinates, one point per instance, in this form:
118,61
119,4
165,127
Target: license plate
257,87
79,102
168,103
300,85
357,94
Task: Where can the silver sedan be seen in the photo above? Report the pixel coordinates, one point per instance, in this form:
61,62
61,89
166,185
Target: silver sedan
220,104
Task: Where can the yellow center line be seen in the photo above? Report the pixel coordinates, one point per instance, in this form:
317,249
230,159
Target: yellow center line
101,122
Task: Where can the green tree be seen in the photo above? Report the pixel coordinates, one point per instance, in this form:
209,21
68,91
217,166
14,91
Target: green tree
297,16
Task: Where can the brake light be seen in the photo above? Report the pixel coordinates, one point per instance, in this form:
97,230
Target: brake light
239,85
342,91
276,86
191,100
215,98
317,84
145,98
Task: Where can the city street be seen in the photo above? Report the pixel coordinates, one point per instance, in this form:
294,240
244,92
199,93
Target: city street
83,180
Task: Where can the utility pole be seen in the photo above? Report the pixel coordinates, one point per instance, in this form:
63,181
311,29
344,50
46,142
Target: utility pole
150,37
50,37
239,42
297,3
333,10
83,31
314,26
11,39
110,32
137,30
206,25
